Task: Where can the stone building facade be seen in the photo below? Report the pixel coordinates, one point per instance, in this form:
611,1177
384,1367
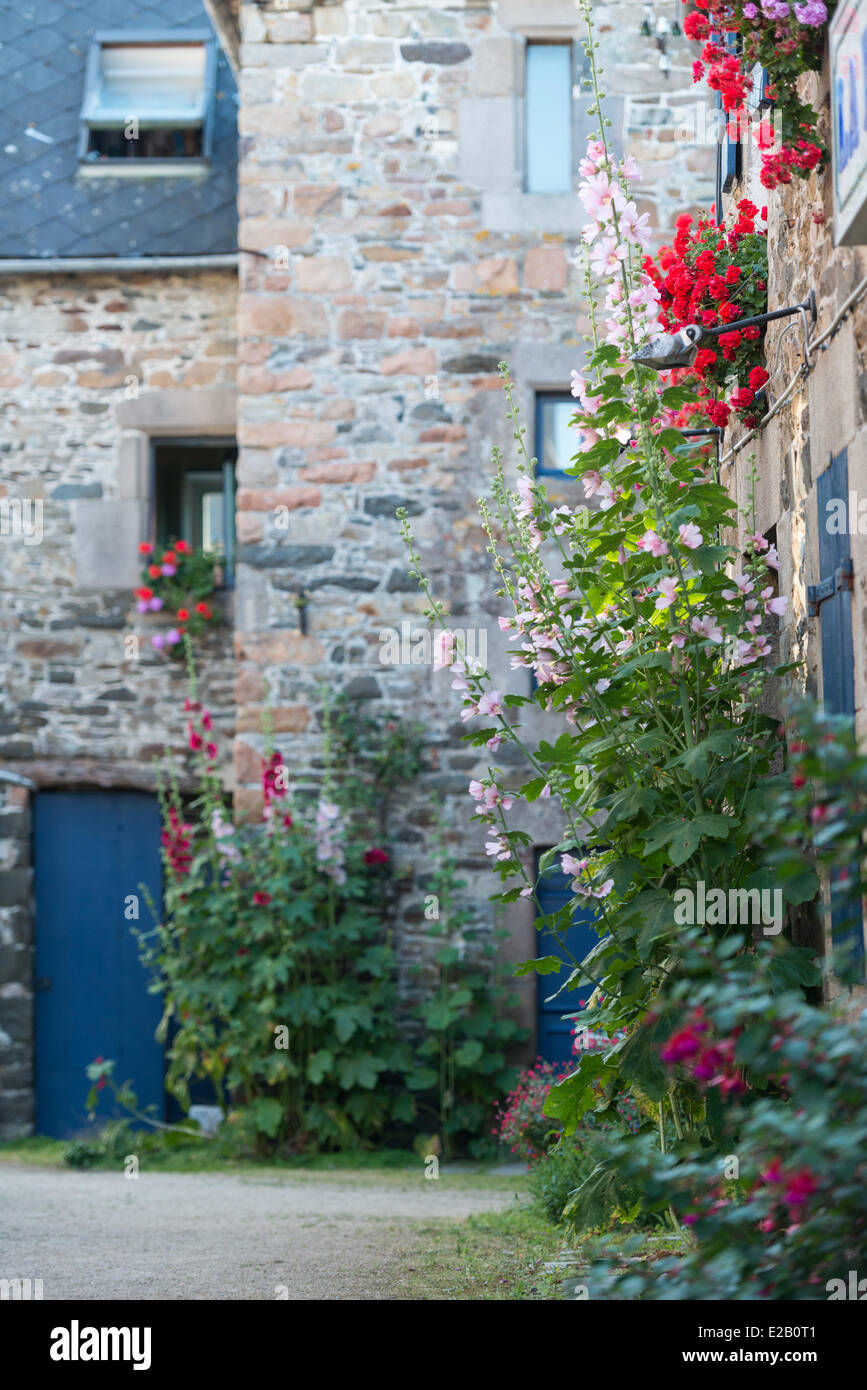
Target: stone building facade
388,257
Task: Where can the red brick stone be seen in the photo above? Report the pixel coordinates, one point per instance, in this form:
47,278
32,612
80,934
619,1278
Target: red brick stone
410,362
269,434
257,381
278,648
438,434
356,323
546,268
338,472
267,499
274,315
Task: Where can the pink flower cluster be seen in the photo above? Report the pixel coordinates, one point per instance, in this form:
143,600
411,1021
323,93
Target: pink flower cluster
709,1062
328,832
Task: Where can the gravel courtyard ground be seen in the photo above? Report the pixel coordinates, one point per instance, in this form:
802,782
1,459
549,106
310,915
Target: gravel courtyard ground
93,1235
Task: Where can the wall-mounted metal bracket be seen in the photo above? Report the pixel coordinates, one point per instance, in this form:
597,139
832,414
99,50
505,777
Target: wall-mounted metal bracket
842,578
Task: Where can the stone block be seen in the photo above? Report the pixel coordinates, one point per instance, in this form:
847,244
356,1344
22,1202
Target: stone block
272,315
546,268
322,274
107,535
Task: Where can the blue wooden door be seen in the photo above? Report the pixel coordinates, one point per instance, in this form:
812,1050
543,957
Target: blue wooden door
831,601
91,852
555,1031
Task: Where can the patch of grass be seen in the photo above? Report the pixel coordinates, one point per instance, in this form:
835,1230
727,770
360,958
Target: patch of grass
492,1256
38,1151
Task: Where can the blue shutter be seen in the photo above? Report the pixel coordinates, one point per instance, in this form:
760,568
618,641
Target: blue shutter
831,601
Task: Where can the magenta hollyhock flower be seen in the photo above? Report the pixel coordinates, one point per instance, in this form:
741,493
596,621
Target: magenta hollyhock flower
261,899
375,855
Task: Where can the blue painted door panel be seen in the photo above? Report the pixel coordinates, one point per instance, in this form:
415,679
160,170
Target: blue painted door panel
91,850
555,1032
838,658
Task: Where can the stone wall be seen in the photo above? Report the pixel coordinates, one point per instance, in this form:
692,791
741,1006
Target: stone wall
827,413
87,365
381,173
80,357
16,964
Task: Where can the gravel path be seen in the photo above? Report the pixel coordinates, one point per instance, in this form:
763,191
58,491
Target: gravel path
92,1235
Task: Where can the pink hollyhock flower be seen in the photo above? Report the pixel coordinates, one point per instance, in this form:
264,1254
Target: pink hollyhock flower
545,792
772,559
571,865
505,624
743,585
653,543
490,703
560,587
494,742
601,686
667,593
690,535
774,605
758,542
525,493
707,627
443,650
607,256
635,226
601,197
476,790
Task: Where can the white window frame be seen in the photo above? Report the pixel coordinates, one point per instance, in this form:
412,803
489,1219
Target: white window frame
139,168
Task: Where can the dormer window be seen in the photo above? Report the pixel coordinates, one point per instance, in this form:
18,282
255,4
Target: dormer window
147,103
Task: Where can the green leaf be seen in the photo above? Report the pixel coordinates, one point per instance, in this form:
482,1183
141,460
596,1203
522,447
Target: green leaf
544,965
469,1052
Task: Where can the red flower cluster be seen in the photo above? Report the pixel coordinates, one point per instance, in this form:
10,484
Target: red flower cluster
785,46
271,770
710,1062
794,1191
176,842
701,279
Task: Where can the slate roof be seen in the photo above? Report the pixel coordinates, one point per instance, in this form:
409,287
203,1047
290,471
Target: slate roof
44,209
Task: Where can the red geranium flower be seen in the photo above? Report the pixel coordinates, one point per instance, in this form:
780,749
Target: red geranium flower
154,571
182,547
183,615
758,377
203,610
145,548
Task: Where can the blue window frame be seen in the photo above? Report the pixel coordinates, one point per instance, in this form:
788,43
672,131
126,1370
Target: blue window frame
148,100
548,90
556,440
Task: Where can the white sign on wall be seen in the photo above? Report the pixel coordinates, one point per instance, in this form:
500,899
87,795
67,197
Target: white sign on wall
848,49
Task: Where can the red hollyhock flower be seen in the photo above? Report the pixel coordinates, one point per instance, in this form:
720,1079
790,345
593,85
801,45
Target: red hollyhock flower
375,856
261,899
145,548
